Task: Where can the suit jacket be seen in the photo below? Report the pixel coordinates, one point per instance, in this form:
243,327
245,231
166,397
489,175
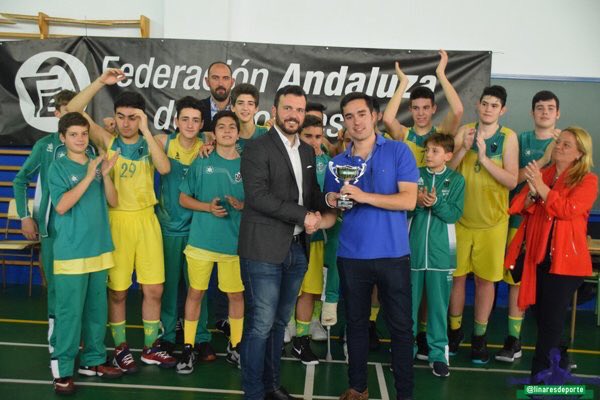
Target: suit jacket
271,198
206,117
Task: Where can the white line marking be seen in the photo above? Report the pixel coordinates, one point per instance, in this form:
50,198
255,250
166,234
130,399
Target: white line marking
309,382
381,381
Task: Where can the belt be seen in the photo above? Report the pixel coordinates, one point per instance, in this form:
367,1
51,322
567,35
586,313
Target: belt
299,238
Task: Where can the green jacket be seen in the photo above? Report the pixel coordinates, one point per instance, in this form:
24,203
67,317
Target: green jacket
36,166
432,235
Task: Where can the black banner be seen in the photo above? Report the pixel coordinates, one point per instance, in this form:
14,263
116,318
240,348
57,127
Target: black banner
163,70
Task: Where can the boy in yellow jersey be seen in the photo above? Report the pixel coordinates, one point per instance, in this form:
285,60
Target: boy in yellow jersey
182,149
487,155
422,108
80,187
134,226
213,190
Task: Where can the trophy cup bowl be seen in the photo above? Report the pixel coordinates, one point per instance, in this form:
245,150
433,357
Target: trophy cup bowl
346,173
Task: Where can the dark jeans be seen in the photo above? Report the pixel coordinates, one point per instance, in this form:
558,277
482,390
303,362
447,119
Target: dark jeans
554,293
392,277
270,292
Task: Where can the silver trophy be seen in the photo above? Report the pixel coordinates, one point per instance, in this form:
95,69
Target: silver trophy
346,173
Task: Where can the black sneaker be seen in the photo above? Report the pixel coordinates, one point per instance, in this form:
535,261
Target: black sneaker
455,338
233,355
373,338
479,350
440,369
167,346
510,350
223,326
205,352
302,351
422,347
185,364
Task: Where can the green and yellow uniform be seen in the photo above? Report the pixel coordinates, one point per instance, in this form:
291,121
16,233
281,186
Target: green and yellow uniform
82,254
482,230
134,225
175,226
416,144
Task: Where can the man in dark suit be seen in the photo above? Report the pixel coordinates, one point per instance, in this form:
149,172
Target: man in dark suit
281,209
220,82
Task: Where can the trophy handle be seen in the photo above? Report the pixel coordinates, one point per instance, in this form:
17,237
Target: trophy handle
363,168
332,170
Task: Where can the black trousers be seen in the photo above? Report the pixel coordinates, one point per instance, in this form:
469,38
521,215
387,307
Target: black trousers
554,294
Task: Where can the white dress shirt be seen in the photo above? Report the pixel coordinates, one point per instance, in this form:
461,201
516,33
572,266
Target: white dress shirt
294,154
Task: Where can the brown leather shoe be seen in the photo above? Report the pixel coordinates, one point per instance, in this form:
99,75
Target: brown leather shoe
352,394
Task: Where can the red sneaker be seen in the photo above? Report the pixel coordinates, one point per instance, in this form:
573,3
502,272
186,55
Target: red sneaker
124,360
64,386
103,370
157,356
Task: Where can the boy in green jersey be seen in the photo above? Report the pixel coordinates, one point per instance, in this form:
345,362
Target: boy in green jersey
213,189
80,187
244,103
45,150
432,240
535,145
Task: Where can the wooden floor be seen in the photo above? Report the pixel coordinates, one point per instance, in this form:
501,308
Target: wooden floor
25,373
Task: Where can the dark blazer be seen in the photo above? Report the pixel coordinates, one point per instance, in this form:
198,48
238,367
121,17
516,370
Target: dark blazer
271,198
206,117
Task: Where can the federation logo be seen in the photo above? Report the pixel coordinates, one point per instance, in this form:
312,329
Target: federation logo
238,177
40,78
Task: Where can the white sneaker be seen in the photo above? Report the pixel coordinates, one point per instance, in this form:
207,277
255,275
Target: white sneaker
317,332
290,331
329,314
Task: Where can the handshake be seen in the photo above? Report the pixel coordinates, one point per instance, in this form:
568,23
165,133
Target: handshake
312,222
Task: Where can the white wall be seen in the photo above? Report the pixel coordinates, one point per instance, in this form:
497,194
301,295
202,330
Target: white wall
528,37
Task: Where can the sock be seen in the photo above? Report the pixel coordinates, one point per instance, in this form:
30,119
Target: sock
189,331
455,321
480,328
422,326
316,315
117,329
237,327
514,326
150,332
302,328
374,313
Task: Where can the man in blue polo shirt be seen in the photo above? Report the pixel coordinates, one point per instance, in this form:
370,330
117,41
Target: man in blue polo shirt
381,196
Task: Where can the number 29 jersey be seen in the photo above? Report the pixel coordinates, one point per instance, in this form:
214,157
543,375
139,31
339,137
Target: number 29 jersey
133,175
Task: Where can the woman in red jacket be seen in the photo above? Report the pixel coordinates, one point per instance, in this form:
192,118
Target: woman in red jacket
556,209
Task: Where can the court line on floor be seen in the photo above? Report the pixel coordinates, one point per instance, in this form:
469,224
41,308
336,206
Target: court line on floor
465,369
381,380
309,382
465,345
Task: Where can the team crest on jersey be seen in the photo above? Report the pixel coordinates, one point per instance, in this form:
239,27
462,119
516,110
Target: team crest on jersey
320,167
528,152
60,153
50,148
209,169
446,187
420,182
238,177
74,179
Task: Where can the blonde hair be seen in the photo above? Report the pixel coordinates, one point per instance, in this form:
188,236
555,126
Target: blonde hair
584,164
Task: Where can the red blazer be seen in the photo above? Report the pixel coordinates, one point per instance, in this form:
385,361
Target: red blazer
569,209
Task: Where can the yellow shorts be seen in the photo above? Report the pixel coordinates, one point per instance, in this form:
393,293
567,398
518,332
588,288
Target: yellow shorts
313,280
138,245
481,251
200,265
507,276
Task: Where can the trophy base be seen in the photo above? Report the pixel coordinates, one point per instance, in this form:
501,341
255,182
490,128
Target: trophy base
345,204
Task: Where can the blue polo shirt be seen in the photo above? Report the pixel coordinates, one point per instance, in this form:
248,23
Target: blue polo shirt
370,232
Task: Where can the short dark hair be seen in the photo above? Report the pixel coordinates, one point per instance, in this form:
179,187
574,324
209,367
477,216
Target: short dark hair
357,96
224,114
376,105
314,106
188,102
443,140
244,88
63,98
495,91
130,99
294,90
218,63
422,92
71,119
544,95
312,120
